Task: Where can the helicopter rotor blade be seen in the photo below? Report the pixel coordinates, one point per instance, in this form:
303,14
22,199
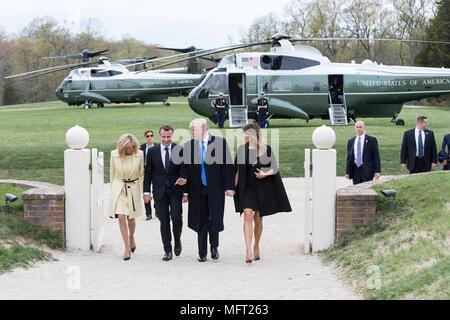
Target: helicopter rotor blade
69,56
182,50
48,70
368,39
96,53
213,51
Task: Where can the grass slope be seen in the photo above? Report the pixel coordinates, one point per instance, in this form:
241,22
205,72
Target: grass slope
20,241
32,136
404,252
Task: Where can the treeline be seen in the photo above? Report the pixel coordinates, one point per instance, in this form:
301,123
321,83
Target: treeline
44,37
372,19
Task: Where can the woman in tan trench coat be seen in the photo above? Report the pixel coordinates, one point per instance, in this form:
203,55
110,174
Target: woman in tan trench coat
127,176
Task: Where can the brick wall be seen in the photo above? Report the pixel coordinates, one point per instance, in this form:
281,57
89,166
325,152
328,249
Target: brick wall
43,204
356,205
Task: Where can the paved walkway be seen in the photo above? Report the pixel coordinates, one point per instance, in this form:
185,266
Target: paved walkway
283,272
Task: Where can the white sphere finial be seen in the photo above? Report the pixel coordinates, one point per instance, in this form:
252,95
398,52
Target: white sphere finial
77,137
324,137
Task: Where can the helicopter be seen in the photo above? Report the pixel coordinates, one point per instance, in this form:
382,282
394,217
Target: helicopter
111,81
301,83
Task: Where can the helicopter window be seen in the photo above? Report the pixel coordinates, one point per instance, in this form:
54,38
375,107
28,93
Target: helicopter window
316,86
282,85
218,83
286,63
68,85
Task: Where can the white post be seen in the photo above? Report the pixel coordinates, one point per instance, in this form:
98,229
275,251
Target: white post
323,189
77,184
308,218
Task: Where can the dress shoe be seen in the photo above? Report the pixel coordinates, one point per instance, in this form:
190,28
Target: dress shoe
126,258
214,253
177,250
167,256
202,259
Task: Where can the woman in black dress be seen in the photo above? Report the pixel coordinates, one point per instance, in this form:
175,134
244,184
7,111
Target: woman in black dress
259,188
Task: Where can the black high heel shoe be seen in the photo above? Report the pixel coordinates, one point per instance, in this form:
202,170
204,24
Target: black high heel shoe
133,249
127,258
249,261
256,258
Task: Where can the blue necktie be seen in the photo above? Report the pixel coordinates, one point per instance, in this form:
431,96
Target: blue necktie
203,165
420,145
358,160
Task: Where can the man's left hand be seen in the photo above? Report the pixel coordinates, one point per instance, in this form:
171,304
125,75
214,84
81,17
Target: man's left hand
229,193
433,165
376,176
181,182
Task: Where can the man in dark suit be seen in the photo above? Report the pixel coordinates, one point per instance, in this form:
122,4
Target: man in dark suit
145,147
163,174
419,152
363,156
208,169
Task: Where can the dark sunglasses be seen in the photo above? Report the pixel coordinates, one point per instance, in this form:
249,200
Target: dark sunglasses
149,135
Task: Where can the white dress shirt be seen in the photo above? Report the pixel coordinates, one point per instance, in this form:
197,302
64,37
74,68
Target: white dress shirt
163,154
417,140
355,146
205,140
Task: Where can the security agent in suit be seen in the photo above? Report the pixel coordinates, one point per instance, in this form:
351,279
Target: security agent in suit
148,134
208,169
363,156
445,152
419,152
262,107
163,174
221,108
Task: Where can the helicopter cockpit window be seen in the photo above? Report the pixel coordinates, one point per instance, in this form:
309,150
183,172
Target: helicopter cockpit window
218,84
269,62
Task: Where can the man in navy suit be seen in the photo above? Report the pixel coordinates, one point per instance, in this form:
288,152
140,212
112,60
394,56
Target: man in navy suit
363,156
164,174
419,152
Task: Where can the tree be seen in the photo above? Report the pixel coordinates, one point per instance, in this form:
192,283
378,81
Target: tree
370,20
437,55
411,17
262,28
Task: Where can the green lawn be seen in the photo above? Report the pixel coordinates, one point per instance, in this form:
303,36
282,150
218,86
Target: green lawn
32,136
20,241
405,252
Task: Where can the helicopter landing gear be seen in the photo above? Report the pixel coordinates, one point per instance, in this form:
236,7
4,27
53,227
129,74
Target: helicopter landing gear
87,105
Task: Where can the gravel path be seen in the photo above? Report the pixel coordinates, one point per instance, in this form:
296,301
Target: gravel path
283,272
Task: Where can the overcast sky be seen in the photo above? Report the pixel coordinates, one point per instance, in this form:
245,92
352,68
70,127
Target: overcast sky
203,23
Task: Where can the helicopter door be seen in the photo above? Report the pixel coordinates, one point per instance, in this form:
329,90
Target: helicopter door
237,112
337,107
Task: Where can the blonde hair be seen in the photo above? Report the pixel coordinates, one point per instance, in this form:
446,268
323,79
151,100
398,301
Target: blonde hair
128,144
254,130
198,122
